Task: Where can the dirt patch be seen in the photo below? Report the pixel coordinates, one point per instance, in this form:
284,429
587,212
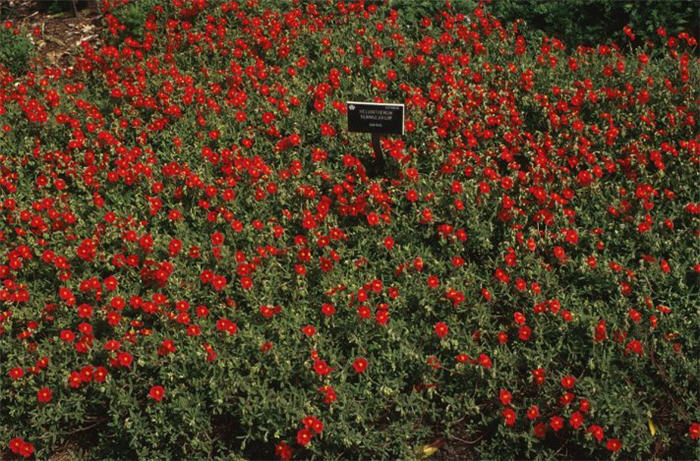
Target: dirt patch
69,452
56,35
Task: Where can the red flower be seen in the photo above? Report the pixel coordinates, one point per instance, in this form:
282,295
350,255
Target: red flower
505,396
571,236
382,316
566,398
313,423
389,243
502,276
219,283
283,450
576,420
694,431
85,311
364,312
560,253
100,374
157,393
16,444
519,318
509,415
613,445
418,264
322,368
20,447
556,423
74,380
43,395
16,373
635,346
441,329
533,412
524,332
360,365
585,405
67,336
539,376
600,333
110,283
217,238
568,382
124,359
222,324
267,311
540,430
246,283
433,281
304,436
485,361
597,432
86,373
328,309
309,330
331,395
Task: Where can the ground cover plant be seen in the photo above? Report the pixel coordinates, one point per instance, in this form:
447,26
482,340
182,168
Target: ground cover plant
196,264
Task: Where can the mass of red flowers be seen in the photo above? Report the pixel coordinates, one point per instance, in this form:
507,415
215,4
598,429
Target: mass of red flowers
198,260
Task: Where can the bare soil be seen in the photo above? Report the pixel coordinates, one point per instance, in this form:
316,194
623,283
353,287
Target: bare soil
56,34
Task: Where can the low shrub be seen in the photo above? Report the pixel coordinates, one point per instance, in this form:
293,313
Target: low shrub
16,50
195,264
591,22
577,22
132,17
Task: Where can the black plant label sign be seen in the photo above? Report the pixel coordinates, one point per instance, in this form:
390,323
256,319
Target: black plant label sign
375,118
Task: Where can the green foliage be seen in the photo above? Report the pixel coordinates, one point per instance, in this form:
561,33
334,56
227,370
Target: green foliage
412,11
57,6
16,50
575,22
133,16
590,22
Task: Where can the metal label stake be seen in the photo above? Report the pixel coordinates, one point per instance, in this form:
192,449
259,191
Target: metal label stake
377,119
